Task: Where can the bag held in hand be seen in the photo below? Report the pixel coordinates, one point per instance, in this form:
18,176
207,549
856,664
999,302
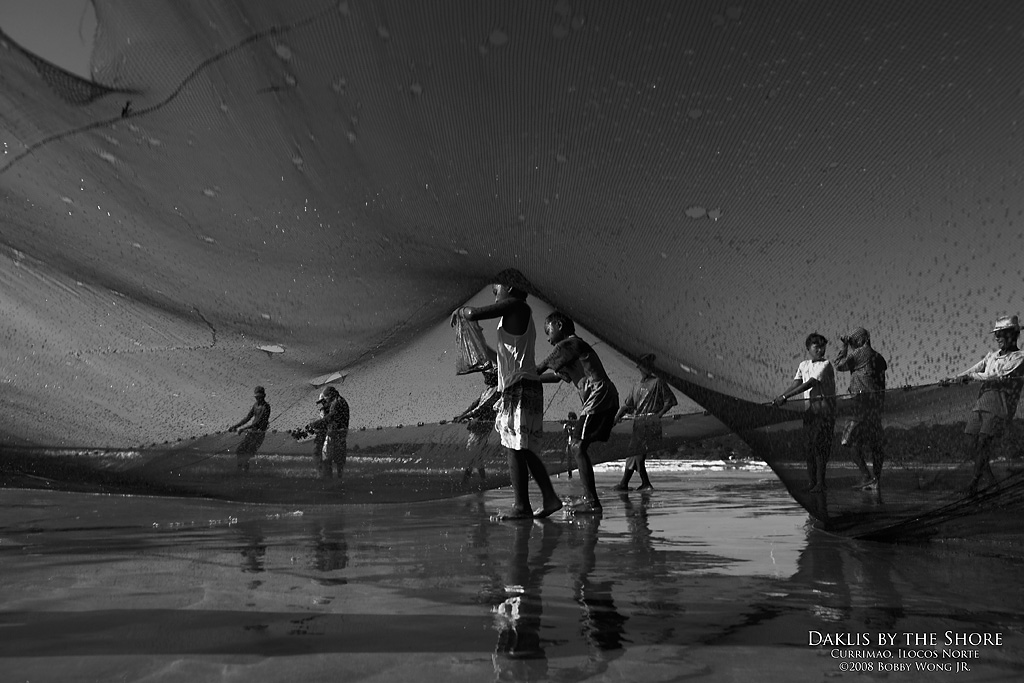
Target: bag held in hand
472,355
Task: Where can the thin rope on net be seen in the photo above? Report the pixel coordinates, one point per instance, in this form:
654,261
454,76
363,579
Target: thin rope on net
924,489
383,465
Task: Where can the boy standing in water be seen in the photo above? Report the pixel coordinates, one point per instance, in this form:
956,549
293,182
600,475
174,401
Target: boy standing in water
480,416
649,400
520,410
255,432
816,379
573,360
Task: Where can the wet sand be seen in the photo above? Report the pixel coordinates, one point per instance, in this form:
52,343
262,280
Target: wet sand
713,576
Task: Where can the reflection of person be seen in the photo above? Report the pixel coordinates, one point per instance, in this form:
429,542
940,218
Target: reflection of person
334,425
330,551
867,386
850,583
649,400
1000,373
255,432
816,379
519,654
574,360
480,416
601,624
253,548
521,406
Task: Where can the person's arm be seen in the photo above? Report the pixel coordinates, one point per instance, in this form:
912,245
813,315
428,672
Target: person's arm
797,387
628,406
248,416
970,372
668,398
549,377
1009,370
324,422
490,311
564,353
842,361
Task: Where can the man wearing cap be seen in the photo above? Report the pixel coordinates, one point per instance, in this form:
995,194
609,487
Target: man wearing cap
334,426
1001,374
648,401
255,432
867,387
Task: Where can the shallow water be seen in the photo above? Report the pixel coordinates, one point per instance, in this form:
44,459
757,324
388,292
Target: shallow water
715,576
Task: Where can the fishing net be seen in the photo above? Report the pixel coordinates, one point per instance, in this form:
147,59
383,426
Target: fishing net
276,193
928,465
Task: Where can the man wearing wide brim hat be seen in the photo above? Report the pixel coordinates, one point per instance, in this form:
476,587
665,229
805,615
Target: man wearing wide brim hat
1001,374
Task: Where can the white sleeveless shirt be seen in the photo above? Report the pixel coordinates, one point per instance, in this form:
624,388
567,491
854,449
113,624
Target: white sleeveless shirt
516,355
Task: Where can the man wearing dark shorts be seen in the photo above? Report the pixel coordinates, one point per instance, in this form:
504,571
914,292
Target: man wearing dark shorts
573,360
255,432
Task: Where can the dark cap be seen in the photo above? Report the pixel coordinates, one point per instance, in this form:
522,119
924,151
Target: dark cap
260,390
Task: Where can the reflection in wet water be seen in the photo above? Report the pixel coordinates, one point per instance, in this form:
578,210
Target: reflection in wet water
710,573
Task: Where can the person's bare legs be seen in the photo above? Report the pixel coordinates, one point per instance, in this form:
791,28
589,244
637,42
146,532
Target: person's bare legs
519,473
982,466
877,460
857,452
627,474
645,479
551,501
586,469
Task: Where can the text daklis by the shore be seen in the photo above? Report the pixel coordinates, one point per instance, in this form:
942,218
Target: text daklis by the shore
910,638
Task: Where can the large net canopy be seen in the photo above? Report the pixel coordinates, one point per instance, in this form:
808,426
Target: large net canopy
296,194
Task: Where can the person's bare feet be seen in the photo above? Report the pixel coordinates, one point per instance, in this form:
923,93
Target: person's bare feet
588,507
517,513
550,508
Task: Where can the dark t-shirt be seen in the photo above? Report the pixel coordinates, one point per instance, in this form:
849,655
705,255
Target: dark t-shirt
867,369
260,414
335,419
